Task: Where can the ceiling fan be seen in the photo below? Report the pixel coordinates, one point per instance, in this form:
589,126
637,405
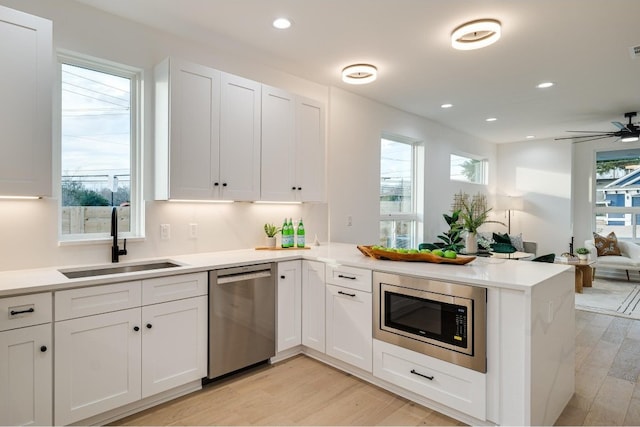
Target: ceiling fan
625,133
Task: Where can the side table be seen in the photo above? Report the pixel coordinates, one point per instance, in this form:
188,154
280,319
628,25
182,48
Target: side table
583,275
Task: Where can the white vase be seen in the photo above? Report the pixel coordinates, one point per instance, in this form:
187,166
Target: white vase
471,243
270,242
583,257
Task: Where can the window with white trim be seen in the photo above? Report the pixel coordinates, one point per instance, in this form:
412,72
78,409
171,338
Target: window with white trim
616,204
468,169
100,148
400,178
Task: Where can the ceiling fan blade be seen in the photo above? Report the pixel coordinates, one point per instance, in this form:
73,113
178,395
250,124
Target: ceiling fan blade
581,137
596,138
619,125
591,131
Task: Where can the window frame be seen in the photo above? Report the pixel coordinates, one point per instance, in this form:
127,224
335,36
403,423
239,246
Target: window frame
136,153
482,159
417,179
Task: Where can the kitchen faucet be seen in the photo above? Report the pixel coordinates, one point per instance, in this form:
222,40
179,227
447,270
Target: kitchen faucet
115,251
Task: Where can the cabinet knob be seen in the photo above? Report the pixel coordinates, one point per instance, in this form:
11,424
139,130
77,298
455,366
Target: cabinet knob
43,348
136,328
215,184
149,326
283,277
224,184
299,188
293,188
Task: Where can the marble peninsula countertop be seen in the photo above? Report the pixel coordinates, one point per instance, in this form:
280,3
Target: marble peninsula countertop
486,272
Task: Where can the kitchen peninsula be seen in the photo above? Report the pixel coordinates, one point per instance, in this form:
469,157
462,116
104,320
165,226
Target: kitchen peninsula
529,327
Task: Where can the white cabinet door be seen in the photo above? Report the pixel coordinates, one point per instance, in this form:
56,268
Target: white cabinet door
174,344
349,330
25,110
240,112
26,376
187,130
97,364
277,182
289,304
313,305
310,150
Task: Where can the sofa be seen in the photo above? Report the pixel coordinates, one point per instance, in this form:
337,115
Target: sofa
628,260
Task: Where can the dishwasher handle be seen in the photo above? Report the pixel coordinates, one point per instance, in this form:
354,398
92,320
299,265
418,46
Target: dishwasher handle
231,278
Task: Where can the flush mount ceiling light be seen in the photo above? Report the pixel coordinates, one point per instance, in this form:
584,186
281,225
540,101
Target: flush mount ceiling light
359,74
476,34
446,106
490,119
281,23
544,85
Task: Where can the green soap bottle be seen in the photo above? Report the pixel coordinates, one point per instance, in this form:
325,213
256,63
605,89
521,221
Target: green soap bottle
300,235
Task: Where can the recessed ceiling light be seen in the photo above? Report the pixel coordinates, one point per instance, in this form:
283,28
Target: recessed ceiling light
476,34
490,119
359,74
446,106
530,136
281,23
544,85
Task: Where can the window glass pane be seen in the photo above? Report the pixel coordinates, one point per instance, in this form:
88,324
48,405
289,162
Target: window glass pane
95,150
396,177
468,170
397,234
617,201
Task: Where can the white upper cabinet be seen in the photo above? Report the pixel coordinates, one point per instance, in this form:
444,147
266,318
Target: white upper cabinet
293,148
310,150
278,180
240,114
25,110
187,130
207,133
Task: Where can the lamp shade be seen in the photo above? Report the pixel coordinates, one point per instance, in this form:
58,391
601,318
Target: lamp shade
510,203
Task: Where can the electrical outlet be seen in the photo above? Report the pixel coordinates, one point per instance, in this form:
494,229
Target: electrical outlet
165,231
349,221
193,230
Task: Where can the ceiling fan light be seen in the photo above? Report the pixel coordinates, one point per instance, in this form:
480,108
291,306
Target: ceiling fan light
476,34
633,137
359,74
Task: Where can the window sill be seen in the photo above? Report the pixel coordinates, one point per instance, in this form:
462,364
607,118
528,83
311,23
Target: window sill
99,240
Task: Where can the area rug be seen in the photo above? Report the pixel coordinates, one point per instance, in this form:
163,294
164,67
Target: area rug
617,297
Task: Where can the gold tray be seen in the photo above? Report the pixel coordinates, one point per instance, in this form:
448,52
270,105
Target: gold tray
394,256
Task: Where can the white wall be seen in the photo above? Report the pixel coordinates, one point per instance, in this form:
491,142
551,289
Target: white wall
540,172
28,229
355,127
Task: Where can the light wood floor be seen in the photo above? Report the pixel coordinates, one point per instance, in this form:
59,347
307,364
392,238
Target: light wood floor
302,391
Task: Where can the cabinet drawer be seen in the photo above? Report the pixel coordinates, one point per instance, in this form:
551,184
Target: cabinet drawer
459,388
25,310
349,277
97,299
172,288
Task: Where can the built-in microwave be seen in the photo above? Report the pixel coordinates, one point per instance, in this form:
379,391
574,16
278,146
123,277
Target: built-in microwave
440,319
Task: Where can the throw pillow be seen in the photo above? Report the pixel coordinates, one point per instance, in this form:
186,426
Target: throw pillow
606,246
517,242
501,238
502,243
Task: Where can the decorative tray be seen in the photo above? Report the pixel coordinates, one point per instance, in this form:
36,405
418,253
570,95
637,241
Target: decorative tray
421,257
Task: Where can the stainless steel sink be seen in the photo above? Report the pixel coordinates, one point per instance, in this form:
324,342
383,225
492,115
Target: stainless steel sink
128,268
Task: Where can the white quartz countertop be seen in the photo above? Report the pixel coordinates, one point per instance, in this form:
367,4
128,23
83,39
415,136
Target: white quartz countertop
487,272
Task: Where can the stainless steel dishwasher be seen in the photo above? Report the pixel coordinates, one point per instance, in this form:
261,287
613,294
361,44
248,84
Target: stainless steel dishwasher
242,317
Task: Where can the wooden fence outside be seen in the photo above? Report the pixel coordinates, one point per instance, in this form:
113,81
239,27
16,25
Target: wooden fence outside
93,219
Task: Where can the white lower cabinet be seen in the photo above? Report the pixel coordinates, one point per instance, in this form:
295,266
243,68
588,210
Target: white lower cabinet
107,360
26,376
289,324
313,305
26,369
454,386
174,344
348,323
97,364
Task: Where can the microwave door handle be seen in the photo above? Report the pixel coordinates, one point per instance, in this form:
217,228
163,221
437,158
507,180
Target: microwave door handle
414,372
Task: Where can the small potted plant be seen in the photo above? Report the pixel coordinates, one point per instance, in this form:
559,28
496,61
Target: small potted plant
582,253
271,231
